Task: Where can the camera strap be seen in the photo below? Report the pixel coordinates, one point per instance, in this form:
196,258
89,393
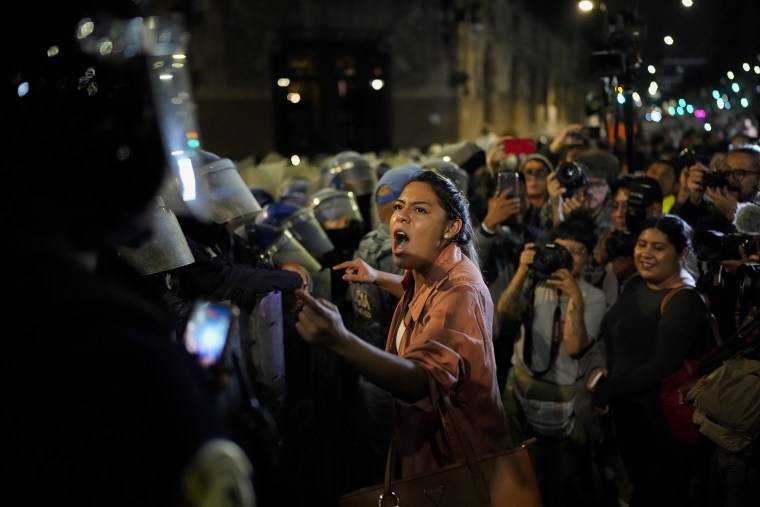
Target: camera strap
556,335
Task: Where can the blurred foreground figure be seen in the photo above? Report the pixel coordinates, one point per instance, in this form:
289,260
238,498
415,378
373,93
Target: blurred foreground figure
103,405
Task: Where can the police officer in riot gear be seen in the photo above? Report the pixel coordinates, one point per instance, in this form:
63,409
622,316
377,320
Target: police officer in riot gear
103,407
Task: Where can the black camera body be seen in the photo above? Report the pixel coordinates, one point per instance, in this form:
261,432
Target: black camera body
711,245
688,157
642,194
572,176
715,179
620,244
587,133
549,258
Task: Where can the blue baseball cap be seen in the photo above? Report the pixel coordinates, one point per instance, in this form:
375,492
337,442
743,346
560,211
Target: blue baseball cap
393,181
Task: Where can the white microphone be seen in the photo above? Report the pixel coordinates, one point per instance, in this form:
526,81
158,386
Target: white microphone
748,218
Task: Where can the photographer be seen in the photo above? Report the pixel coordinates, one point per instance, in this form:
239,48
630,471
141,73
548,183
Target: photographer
736,473
714,197
584,183
563,147
560,315
634,200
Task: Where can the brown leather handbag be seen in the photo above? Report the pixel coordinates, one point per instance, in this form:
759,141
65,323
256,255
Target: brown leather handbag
495,480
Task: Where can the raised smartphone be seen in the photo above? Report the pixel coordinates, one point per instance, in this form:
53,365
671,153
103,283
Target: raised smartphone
207,333
508,179
519,146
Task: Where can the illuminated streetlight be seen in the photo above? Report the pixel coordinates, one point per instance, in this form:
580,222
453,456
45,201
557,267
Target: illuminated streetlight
668,40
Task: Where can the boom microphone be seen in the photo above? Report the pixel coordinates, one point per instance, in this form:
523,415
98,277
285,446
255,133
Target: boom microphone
748,218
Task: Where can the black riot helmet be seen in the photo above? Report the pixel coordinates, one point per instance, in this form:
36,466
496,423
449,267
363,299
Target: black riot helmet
97,109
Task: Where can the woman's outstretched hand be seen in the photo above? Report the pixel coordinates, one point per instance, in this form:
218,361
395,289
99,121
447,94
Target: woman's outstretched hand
357,271
319,321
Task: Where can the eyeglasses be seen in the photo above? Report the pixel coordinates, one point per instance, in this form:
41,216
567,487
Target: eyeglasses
737,174
538,173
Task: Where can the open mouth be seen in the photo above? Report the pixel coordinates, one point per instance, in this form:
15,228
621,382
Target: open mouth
400,240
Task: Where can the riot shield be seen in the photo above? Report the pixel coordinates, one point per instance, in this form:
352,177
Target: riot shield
264,348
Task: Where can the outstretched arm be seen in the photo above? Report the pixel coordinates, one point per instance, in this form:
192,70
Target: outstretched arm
359,271
320,323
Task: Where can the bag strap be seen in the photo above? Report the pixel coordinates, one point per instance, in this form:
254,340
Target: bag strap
556,337
712,322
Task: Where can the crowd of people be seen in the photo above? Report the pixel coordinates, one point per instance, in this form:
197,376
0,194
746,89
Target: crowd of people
363,295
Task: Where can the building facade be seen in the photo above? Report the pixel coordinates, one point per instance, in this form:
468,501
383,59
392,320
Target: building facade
324,76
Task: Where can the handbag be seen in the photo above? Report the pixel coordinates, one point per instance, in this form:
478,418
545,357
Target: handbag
677,410
497,479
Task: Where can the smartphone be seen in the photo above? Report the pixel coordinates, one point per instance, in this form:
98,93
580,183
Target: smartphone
508,179
519,146
208,330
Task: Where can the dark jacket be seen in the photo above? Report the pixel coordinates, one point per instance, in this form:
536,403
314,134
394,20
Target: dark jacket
102,406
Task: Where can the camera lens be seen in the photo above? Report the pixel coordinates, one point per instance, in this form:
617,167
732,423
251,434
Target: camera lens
572,175
549,258
620,244
567,173
713,245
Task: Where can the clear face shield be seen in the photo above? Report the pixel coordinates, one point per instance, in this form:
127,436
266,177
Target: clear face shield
167,248
356,176
303,224
335,209
163,43
232,202
279,246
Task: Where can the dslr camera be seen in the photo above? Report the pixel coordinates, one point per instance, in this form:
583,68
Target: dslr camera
715,179
642,193
572,176
549,258
711,245
620,244
688,157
